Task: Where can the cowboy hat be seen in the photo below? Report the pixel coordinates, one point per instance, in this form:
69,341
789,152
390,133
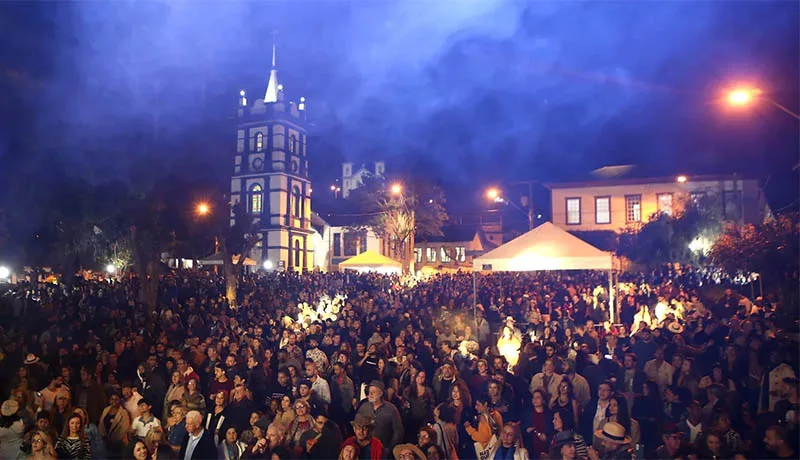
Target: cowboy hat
31,359
363,420
9,408
675,327
400,448
613,432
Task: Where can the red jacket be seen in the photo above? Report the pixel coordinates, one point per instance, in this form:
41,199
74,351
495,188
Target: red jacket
376,447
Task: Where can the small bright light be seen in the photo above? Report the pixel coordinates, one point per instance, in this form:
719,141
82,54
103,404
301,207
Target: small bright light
742,96
333,188
302,99
203,209
111,269
4,272
242,93
700,245
681,179
280,87
397,189
268,265
493,194
430,201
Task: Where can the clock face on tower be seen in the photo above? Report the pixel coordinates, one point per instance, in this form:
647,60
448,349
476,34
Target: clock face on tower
257,164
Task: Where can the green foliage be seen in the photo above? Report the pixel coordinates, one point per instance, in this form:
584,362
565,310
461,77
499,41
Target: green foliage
664,238
770,249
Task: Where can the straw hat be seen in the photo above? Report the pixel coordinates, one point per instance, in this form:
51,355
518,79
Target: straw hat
675,327
613,432
31,359
400,448
9,408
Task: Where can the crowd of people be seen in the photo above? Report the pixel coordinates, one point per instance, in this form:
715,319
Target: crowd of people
530,367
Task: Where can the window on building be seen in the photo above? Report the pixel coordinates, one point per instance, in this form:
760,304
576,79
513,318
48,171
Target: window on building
664,203
633,208
698,198
445,255
602,209
573,211
337,245
293,143
418,255
732,204
256,199
259,142
298,202
297,258
354,243
461,254
430,254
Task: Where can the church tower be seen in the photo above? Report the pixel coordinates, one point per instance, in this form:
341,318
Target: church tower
270,174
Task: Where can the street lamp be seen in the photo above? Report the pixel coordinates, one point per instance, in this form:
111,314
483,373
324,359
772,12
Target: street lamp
681,179
396,189
111,269
268,265
495,195
747,96
203,208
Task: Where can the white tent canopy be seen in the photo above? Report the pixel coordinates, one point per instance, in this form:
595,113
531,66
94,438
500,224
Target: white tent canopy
548,248
545,248
371,261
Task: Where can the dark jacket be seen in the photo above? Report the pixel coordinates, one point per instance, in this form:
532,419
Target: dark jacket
205,449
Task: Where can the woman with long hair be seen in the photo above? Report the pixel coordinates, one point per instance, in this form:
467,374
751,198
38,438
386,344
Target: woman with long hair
138,451
446,430
562,423
286,414
461,402
617,411
649,412
73,443
216,417
537,422
566,400
418,404
115,425
42,447
93,434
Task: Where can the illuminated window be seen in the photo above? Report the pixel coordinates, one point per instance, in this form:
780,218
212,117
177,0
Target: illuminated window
293,144
445,255
418,255
259,142
633,208
256,199
573,211
461,254
602,209
430,254
297,199
665,203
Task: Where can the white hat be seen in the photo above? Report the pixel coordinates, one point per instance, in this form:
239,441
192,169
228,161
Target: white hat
9,408
31,359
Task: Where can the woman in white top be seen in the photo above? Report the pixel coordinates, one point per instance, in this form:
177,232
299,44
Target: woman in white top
11,430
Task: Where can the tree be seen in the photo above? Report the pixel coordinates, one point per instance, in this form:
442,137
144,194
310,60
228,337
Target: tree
669,238
770,249
239,238
415,211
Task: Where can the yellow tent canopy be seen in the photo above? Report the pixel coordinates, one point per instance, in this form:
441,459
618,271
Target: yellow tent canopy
371,261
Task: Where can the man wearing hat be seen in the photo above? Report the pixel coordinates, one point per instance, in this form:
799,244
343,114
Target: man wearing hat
408,452
616,446
673,438
368,446
388,426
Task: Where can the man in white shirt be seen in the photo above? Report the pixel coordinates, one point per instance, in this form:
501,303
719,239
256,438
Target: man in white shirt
50,391
659,370
604,392
131,397
319,385
146,421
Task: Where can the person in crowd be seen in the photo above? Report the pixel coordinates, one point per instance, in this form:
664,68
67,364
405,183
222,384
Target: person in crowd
216,421
96,440
446,430
115,426
175,426
489,423
73,443
778,443
231,448
547,381
564,426
60,411
145,422
42,446
387,425
418,402
198,443
175,392
139,450
366,445
614,445
538,424
193,399
12,429
618,412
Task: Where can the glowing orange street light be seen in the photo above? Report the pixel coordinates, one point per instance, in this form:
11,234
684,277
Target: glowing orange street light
492,193
203,209
681,179
742,96
396,189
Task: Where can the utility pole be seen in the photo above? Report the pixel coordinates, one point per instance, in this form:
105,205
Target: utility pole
530,184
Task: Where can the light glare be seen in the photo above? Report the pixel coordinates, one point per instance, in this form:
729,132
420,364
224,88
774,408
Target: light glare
268,265
5,272
111,269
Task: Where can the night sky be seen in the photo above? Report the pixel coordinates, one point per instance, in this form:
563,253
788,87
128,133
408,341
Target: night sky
467,92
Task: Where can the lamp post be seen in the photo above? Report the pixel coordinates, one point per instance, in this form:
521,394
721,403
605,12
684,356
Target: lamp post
747,96
494,194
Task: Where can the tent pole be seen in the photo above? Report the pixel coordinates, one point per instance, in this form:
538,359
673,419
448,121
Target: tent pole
475,299
611,311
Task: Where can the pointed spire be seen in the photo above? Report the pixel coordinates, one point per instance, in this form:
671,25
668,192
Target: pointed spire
272,87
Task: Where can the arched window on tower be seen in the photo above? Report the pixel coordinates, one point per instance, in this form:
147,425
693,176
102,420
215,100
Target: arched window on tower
259,142
293,144
297,202
297,258
256,199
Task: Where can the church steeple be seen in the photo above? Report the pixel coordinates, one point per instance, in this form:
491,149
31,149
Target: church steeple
272,87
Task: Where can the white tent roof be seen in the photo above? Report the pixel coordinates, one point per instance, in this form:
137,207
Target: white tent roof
546,247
